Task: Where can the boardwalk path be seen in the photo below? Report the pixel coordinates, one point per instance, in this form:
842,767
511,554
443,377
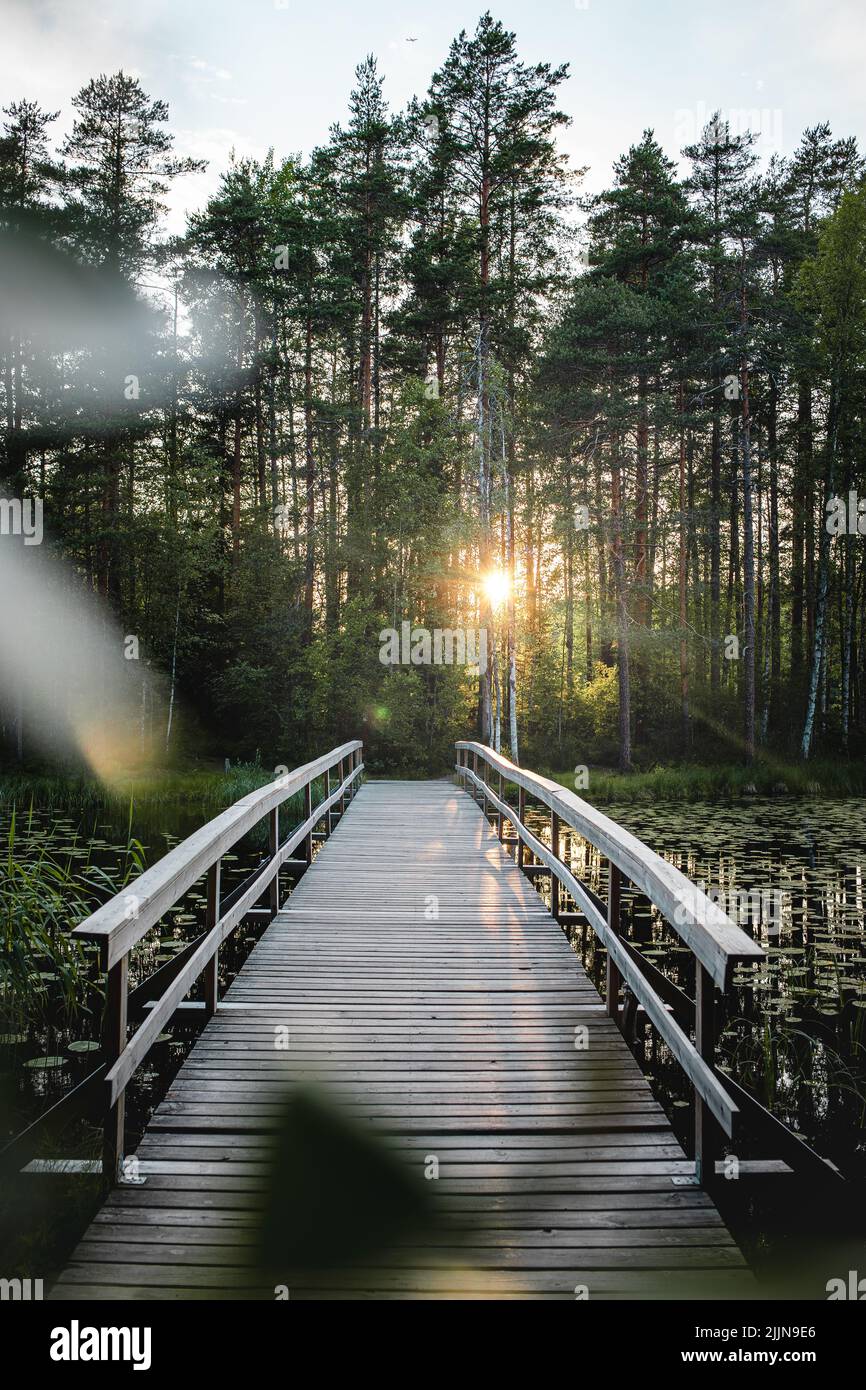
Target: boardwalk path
456,1037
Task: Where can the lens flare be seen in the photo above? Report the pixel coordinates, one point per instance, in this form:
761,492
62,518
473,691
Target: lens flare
66,678
497,587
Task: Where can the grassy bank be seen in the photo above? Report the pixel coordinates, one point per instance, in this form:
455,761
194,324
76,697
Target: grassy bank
211,789
694,782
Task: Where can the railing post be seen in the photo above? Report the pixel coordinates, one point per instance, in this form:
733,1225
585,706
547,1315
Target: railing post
211,970
614,979
327,796
341,804
273,849
114,1034
308,811
501,822
554,881
521,816
707,1145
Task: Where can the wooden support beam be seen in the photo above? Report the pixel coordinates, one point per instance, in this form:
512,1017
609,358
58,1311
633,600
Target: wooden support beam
273,847
212,916
554,849
521,816
707,1137
354,760
614,978
114,1040
308,811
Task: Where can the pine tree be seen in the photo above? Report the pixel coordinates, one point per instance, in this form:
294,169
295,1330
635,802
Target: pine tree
833,284
121,166
720,166
639,229
497,120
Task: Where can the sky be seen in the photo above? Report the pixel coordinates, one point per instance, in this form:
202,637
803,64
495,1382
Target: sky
253,74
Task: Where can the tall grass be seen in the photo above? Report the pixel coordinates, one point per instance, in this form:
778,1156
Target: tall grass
212,790
42,893
709,783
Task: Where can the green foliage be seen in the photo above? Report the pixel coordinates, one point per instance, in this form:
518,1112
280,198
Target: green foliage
411,726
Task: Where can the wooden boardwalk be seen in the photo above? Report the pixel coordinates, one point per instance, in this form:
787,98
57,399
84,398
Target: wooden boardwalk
421,976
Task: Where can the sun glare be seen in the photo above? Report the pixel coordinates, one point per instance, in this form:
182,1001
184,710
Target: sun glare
496,587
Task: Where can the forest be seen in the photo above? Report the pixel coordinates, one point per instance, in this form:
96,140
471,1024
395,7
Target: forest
421,378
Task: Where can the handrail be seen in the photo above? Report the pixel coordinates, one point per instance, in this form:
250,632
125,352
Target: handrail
709,933
121,922
118,924
716,942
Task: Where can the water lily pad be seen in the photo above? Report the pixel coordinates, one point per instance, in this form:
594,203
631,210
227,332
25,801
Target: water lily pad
84,1045
45,1063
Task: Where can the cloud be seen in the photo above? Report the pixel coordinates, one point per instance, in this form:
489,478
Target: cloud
215,144
837,30
51,48
210,73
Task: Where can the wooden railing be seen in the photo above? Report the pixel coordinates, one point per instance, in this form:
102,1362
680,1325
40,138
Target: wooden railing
717,944
120,923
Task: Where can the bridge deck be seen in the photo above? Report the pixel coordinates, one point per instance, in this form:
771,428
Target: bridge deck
453,1036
